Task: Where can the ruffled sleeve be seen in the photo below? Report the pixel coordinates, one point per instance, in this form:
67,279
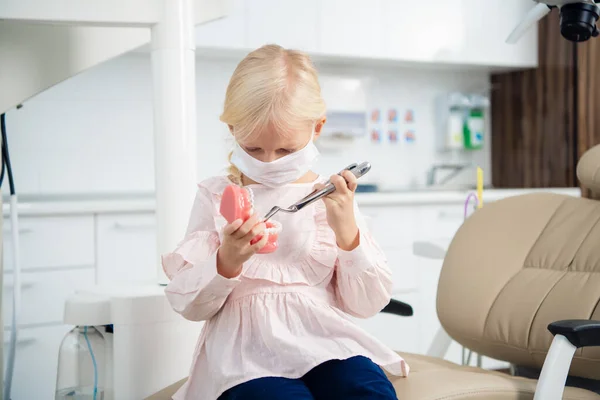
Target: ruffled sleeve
363,281
196,290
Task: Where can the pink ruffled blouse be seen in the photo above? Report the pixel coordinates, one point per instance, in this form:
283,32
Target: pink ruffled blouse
288,311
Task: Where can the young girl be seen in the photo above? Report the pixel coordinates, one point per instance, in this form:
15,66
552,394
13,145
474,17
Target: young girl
278,324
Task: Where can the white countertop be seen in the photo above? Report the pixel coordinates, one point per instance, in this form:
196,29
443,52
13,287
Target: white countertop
83,206
440,197
146,203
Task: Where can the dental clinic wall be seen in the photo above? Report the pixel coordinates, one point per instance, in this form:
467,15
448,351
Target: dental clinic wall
92,135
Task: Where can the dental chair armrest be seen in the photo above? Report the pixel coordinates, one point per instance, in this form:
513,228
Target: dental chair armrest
569,335
398,307
581,333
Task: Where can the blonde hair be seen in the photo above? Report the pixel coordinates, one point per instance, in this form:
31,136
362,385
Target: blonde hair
271,85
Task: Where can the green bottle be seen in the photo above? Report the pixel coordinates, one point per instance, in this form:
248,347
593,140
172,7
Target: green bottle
473,129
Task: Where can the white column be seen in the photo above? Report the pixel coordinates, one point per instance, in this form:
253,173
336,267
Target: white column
173,69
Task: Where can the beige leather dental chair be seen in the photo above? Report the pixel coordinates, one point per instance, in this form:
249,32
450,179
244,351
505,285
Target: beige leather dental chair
520,275
515,267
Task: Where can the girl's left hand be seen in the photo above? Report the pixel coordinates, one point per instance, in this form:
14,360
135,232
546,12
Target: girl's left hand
340,210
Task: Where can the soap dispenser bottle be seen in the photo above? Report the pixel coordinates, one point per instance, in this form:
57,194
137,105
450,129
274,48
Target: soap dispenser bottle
474,128
458,108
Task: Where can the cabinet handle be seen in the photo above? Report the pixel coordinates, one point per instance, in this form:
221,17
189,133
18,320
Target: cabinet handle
132,227
24,285
450,215
20,339
22,231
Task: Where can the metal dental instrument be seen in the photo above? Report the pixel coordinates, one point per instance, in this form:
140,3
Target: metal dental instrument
357,169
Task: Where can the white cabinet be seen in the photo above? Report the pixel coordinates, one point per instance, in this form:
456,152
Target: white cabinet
36,361
51,242
57,256
437,222
404,269
126,248
471,32
289,23
228,32
394,229
426,31
351,28
43,294
397,333
458,31
392,226
488,24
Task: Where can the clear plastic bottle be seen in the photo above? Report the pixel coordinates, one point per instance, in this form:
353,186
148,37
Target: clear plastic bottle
81,364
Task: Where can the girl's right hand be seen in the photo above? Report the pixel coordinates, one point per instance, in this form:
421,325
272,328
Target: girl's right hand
236,247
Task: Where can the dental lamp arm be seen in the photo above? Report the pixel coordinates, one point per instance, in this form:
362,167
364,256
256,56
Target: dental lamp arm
569,335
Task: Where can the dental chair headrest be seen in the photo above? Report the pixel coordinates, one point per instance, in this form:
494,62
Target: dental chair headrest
588,170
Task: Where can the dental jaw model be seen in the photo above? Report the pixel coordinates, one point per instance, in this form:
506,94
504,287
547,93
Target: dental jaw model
238,203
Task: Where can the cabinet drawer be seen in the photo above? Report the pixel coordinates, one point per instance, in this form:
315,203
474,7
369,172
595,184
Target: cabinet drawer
43,294
397,333
393,227
36,361
127,249
404,268
440,222
51,242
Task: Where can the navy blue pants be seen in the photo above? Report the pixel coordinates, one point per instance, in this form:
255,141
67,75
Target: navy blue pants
351,379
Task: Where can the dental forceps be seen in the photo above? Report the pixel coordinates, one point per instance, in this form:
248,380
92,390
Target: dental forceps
357,169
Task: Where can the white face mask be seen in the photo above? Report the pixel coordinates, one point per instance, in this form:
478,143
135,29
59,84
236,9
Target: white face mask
280,172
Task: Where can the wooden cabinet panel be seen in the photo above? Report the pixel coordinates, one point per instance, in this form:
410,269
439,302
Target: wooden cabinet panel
587,98
544,119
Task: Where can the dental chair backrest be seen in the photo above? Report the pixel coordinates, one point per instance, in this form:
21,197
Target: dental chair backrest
520,263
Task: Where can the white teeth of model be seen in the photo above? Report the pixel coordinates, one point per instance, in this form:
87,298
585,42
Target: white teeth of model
276,229
251,197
